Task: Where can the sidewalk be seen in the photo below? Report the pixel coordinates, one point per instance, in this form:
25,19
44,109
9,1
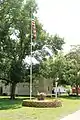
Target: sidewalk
73,116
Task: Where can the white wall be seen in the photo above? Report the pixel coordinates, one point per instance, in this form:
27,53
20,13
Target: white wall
39,85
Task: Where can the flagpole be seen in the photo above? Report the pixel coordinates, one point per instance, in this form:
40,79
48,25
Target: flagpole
31,61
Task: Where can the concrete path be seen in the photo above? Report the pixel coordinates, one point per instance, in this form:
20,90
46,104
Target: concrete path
73,116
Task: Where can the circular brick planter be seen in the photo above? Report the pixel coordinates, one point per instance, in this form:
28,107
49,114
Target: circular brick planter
42,103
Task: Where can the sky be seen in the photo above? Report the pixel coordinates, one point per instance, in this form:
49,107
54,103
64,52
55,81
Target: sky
61,17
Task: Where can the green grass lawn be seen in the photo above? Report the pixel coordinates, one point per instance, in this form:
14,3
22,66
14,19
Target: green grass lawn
13,110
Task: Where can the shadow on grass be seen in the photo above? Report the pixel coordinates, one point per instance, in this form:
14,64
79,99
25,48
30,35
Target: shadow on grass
6,103
72,97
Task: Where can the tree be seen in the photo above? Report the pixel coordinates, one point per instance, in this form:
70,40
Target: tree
55,68
74,57
66,68
15,24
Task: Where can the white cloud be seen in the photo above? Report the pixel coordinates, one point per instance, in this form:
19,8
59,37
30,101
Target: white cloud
61,17
28,60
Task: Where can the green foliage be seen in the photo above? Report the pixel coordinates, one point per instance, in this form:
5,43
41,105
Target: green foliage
74,71
15,32
55,68
65,68
15,23
55,43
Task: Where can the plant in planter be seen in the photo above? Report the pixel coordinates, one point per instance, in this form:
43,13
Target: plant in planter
41,96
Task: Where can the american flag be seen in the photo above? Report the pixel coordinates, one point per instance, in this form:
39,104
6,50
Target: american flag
33,28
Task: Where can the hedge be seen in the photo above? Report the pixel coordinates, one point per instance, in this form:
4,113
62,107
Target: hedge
42,103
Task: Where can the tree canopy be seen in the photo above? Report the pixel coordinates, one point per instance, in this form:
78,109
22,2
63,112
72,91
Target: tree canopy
15,34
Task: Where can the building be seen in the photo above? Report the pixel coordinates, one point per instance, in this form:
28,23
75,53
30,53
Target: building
40,85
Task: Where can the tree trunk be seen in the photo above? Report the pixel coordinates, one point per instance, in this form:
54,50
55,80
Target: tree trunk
13,87
77,90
